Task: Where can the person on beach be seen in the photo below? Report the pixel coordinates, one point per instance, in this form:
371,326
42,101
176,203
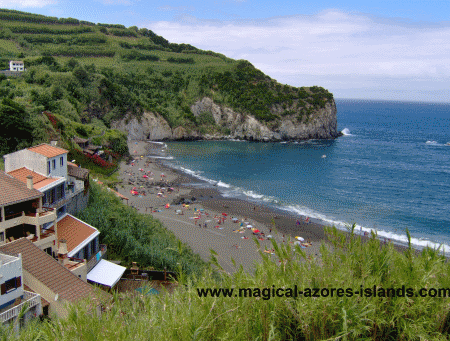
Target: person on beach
298,222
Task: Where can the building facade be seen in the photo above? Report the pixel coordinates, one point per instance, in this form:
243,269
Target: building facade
13,297
16,65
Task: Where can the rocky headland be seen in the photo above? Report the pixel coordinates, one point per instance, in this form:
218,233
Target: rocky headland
320,124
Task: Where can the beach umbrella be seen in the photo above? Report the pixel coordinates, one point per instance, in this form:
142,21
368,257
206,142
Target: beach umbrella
249,226
300,238
297,243
224,214
256,231
269,236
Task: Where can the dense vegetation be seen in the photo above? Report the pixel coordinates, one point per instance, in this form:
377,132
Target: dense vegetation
185,316
93,74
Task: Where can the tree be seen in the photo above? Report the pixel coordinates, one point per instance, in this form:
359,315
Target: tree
14,126
82,76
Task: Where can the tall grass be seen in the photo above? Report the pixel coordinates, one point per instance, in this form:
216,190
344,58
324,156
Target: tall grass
349,263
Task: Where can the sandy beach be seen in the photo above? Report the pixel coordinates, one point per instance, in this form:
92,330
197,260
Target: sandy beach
206,222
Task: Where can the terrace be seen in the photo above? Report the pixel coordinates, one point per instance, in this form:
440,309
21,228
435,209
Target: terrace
30,299
25,213
28,231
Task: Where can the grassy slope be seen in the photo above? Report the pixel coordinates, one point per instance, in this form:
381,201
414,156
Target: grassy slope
185,316
233,83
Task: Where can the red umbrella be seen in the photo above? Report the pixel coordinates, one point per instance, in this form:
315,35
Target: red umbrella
256,231
224,214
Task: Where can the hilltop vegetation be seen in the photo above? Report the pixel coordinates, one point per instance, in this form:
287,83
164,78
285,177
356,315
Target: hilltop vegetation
92,74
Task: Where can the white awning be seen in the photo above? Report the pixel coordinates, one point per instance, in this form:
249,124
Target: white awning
106,273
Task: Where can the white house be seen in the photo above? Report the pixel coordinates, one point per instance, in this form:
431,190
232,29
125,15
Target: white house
13,296
16,65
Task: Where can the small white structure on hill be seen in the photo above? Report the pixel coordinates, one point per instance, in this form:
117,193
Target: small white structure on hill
16,65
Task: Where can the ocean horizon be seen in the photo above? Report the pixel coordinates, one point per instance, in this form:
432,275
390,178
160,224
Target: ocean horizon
388,173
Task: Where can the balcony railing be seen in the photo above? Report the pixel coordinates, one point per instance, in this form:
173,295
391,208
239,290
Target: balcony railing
30,299
28,217
91,263
13,215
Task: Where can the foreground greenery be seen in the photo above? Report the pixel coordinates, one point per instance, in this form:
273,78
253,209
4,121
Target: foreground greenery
132,236
89,75
184,316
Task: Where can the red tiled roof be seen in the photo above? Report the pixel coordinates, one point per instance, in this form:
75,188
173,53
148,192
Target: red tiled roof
22,173
13,190
48,271
74,231
48,150
39,180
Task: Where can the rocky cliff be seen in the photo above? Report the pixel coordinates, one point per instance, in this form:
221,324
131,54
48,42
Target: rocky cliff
321,123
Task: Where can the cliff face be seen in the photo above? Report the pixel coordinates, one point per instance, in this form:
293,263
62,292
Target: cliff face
321,124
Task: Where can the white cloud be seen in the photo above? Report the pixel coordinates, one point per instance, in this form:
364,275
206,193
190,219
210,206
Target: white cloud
338,48
26,3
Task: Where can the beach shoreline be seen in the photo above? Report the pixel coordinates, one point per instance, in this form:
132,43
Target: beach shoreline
282,225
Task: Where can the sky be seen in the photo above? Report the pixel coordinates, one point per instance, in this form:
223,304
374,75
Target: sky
391,50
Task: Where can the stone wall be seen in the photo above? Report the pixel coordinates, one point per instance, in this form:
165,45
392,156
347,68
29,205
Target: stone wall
78,202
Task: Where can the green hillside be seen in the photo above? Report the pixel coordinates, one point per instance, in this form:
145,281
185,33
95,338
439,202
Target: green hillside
87,75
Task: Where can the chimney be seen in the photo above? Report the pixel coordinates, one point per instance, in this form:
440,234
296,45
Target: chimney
30,182
63,259
54,143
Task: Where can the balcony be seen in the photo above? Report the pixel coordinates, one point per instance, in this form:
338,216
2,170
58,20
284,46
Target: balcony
30,218
91,263
29,298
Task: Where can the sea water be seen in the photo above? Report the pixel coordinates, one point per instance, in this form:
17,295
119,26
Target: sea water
388,173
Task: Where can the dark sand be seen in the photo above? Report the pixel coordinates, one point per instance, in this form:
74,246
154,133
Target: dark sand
220,238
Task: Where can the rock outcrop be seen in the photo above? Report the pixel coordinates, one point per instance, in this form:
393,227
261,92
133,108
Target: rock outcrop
149,127
320,124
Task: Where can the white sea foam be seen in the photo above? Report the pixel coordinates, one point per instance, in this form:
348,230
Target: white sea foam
157,142
161,157
223,184
346,132
237,192
382,234
432,143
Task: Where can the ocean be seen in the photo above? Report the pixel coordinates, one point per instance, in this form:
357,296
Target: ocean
389,172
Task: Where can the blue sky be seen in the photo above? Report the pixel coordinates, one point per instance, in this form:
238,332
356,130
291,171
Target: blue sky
397,50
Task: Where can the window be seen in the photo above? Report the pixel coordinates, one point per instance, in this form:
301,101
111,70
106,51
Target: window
60,193
2,236
49,197
11,284
48,167
54,164
61,161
